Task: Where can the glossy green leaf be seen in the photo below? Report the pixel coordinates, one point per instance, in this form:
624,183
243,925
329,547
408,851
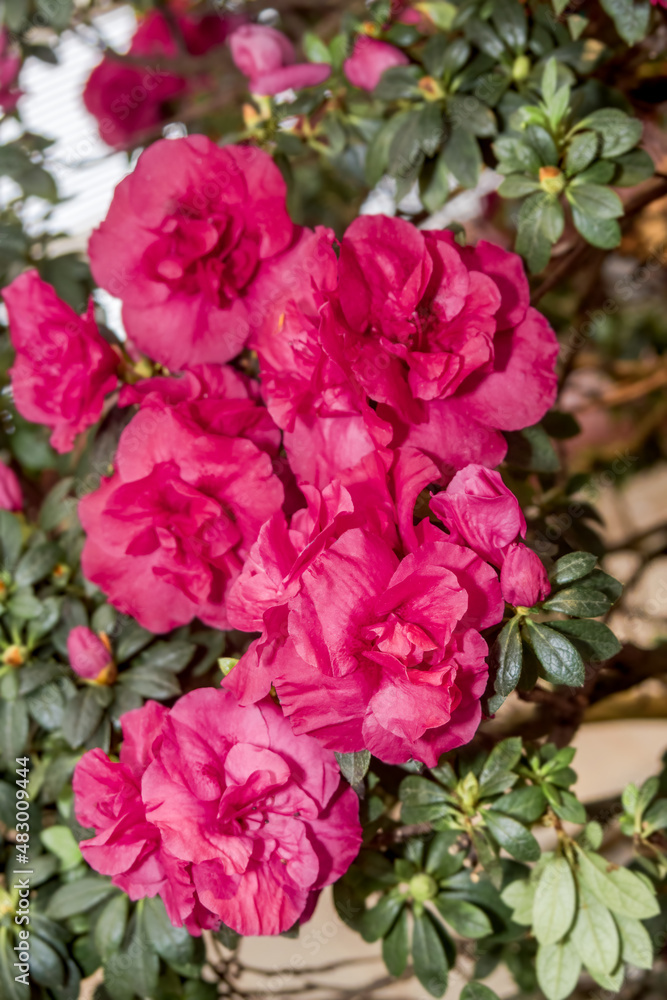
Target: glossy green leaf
595,935
465,918
558,968
572,567
560,662
396,945
510,834
555,902
636,947
428,956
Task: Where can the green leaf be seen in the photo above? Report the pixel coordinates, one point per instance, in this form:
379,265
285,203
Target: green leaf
13,729
619,889
467,919
133,969
581,152
377,153
595,200
110,926
431,129
520,897
440,12
456,56
151,682
36,563
515,156
396,945
555,902
46,966
10,540
549,80
379,919
531,450
174,944
354,766
133,638
78,897
511,23
656,815
633,168
434,55
538,221
422,800
595,935
398,83
602,233
636,947
59,840
467,112
428,956
463,157
543,144
572,567
559,660
631,19
517,841
434,183
558,968
595,641
315,49
597,580
599,173
440,861
484,37
502,759
173,655
477,991
507,658
83,714
45,621
578,601
525,804
518,186
23,604
565,804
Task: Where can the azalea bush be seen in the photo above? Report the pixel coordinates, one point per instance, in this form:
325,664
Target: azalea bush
304,581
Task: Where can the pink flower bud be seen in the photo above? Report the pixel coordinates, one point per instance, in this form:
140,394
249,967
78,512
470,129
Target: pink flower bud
90,656
267,58
10,491
523,578
369,59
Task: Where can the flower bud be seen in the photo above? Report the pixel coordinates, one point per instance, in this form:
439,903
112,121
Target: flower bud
90,656
552,180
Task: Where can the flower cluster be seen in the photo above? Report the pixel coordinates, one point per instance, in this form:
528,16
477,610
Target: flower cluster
389,363
130,100
220,810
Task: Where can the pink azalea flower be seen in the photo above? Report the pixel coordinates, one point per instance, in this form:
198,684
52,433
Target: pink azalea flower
90,656
11,497
369,60
10,66
130,102
64,368
478,510
169,531
223,811
267,58
523,578
188,233
380,653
